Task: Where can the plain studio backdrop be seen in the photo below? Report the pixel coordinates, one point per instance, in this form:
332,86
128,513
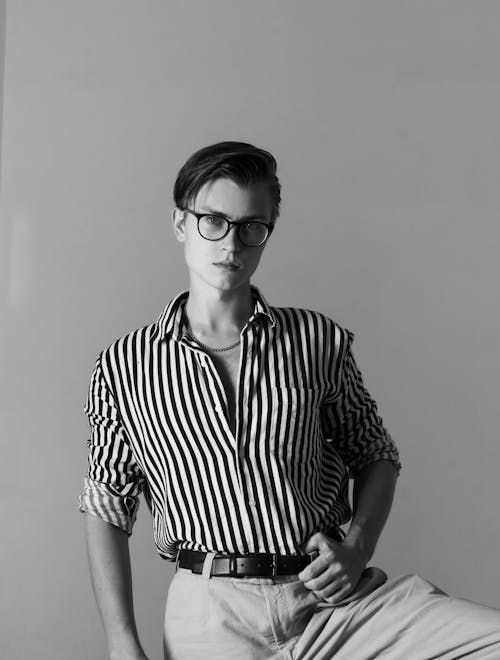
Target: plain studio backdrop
384,119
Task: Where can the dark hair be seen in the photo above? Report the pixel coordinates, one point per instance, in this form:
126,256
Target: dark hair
241,162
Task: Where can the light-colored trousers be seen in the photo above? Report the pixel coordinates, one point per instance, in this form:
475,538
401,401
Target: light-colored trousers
407,618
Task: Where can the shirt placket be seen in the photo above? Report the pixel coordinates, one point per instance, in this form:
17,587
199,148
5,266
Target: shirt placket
215,385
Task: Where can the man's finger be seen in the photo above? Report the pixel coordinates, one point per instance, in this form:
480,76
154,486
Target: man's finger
335,592
314,542
316,567
319,542
324,581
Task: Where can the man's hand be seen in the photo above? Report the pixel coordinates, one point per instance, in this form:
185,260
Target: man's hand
336,571
135,654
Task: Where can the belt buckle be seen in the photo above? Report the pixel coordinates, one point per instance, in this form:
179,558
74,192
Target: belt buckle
313,554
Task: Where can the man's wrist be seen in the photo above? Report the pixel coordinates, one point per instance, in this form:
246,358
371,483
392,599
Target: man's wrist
125,646
360,538
134,652
128,654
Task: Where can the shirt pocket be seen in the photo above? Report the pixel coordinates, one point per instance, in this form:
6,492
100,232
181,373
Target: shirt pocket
294,414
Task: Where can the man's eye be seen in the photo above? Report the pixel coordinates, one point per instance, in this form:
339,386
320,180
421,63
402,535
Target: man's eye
251,226
214,219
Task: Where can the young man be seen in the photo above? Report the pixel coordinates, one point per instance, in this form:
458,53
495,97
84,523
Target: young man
242,423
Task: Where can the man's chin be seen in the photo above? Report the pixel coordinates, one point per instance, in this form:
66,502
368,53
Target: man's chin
230,282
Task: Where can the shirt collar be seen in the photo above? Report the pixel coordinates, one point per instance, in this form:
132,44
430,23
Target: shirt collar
170,322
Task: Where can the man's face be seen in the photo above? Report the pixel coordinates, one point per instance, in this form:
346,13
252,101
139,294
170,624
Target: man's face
223,197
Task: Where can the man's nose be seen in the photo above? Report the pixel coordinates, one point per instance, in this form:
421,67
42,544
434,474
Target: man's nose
231,239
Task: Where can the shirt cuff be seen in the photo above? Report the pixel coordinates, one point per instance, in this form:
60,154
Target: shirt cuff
360,462
103,501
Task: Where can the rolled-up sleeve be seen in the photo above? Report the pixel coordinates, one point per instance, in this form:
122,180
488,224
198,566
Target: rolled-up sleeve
350,418
114,481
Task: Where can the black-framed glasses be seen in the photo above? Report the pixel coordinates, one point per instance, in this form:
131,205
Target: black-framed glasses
213,227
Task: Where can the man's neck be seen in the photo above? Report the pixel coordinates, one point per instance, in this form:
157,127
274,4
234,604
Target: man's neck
212,311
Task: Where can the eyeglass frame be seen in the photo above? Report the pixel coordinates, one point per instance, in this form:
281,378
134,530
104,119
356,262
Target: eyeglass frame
230,223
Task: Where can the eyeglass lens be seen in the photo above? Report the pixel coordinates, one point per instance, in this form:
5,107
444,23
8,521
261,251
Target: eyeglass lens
213,227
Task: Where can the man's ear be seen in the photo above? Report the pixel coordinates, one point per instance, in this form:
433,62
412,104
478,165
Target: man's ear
178,224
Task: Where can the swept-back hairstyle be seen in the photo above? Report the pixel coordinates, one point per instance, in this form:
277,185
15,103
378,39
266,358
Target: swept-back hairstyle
241,162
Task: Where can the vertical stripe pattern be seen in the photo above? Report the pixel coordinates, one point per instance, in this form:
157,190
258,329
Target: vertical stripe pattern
305,423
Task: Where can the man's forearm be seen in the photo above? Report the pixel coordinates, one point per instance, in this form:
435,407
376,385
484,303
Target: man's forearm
372,500
109,562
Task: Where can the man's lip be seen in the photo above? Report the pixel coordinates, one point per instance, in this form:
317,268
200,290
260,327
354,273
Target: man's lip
233,264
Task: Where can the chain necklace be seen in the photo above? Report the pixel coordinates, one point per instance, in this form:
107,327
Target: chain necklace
209,348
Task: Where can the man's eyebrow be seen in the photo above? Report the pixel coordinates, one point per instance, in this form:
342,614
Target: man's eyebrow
244,219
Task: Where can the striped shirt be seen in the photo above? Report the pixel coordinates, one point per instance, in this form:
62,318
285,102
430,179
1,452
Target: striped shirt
158,425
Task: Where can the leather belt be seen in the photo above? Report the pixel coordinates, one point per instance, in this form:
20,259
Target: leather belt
252,565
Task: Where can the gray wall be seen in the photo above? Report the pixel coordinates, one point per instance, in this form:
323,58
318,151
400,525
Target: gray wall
2,59
384,119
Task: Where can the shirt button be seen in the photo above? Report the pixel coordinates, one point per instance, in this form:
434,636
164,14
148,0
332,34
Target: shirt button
252,502
218,408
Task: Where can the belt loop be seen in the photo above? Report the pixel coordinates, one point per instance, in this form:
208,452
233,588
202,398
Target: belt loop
177,559
207,565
